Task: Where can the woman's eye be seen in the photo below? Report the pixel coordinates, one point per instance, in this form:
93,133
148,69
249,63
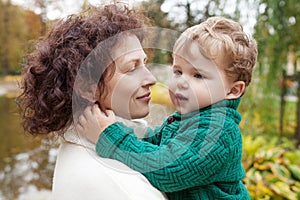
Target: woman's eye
131,69
200,76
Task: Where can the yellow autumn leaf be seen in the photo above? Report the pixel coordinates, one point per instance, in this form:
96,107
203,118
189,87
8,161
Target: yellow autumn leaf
160,94
283,190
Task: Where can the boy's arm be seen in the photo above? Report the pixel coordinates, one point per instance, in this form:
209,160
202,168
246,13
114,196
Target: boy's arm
176,166
93,121
152,136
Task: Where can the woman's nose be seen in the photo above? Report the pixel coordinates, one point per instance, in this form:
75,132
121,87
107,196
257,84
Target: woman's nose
149,79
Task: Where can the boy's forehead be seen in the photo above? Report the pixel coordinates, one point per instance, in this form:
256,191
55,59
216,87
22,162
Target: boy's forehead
188,47
191,52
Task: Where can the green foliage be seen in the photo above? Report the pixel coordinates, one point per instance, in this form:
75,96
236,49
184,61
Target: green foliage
260,109
260,112
18,26
152,10
195,12
272,170
277,31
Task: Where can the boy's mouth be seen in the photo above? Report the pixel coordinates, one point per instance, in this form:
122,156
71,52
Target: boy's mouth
180,98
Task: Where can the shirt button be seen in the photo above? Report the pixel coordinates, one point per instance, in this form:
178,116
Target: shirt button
170,119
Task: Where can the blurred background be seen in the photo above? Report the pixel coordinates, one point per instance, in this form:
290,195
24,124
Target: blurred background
270,108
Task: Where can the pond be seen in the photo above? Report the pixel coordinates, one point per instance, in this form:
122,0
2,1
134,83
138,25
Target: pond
26,162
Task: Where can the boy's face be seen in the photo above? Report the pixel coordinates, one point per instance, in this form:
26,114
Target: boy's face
197,82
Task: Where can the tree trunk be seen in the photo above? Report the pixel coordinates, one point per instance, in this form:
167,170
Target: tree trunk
5,39
298,112
282,103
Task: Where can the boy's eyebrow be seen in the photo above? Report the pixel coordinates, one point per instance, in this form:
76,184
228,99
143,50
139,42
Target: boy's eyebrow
200,70
195,69
175,66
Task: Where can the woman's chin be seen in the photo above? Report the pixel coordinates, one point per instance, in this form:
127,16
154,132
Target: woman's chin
133,115
139,114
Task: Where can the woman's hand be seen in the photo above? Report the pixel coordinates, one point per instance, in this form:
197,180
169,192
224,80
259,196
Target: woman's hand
93,122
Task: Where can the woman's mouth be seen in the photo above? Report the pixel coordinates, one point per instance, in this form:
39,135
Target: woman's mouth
145,97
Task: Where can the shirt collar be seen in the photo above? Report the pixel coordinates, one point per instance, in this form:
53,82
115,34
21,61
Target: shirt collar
232,103
72,136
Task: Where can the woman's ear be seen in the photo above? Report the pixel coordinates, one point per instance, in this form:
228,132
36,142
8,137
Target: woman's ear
237,90
86,91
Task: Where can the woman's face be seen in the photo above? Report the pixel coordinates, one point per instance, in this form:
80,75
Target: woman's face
129,88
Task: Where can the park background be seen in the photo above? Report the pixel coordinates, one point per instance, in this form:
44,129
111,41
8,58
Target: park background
270,108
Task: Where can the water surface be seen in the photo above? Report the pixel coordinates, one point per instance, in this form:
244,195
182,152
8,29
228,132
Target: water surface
26,162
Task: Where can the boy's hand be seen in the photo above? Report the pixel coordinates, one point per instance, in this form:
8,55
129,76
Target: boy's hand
92,122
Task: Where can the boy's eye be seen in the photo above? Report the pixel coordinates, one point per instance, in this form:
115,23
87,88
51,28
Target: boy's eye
200,76
177,72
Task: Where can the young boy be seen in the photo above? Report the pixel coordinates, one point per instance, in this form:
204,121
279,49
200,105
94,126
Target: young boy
197,152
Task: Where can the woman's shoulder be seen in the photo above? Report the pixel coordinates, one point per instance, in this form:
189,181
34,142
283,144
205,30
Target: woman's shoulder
75,163
81,171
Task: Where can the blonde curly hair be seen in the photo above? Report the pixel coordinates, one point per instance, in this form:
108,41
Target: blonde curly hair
224,41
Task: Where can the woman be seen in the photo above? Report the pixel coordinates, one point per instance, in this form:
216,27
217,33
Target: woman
66,57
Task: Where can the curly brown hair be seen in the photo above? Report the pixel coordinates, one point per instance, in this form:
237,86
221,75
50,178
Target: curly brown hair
50,70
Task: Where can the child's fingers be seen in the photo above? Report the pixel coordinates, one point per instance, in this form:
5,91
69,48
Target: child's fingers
79,128
96,110
100,106
110,113
81,120
88,111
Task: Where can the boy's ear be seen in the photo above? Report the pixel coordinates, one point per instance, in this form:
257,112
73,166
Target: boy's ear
237,90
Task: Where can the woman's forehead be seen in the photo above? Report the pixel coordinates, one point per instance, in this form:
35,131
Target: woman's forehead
127,44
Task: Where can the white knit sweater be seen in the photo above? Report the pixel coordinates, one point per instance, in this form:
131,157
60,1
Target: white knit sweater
80,174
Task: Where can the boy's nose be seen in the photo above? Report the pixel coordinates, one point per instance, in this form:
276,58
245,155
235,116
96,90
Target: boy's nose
182,83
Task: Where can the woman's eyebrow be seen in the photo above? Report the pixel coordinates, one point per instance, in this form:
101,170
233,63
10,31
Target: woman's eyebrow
137,60
129,64
134,61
